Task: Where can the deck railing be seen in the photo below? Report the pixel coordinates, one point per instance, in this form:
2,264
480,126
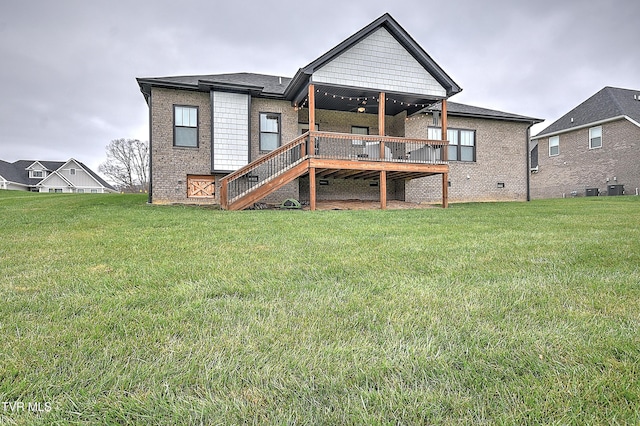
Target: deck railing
346,146
264,169
328,145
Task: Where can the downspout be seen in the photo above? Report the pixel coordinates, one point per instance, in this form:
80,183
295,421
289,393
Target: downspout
150,200
528,159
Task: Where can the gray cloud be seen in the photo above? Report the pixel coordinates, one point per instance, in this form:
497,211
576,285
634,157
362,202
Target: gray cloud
67,79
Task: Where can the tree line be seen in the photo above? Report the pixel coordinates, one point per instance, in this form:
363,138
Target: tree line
127,165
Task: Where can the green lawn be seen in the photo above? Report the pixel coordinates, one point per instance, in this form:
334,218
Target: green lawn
113,311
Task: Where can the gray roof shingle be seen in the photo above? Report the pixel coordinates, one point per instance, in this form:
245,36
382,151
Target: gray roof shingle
463,110
269,84
608,103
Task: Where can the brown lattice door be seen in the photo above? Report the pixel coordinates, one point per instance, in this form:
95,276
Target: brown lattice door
201,186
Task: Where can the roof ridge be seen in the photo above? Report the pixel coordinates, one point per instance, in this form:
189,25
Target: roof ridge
615,99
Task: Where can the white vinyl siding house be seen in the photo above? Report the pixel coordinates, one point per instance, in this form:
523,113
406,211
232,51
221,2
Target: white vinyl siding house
71,176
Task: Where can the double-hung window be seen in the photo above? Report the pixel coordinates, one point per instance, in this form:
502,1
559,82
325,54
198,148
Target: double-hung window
554,145
595,137
269,131
462,143
185,130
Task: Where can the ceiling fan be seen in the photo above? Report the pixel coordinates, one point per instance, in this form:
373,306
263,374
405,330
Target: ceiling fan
362,106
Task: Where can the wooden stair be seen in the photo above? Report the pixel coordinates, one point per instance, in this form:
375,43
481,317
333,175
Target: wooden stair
274,183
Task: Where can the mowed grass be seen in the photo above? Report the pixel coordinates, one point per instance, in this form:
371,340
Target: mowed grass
113,311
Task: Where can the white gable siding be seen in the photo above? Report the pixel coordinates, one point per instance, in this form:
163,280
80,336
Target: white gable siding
379,62
230,131
55,181
81,179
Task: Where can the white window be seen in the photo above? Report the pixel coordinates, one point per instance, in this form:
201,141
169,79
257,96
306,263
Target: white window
434,133
269,131
36,174
94,191
72,172
595,137
554,146
80,191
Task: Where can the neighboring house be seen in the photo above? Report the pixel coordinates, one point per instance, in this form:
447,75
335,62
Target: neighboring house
363,121
51,176
594,149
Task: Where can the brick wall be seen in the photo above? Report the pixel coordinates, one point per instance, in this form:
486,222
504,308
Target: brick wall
577,167
500,157
500,153
350,189
171,165
289,131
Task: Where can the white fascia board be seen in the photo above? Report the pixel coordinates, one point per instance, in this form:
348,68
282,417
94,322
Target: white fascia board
585,126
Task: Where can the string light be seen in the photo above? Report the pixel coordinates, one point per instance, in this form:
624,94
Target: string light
364,99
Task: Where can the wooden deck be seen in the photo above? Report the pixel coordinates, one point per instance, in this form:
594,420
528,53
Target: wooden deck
339,155
335,155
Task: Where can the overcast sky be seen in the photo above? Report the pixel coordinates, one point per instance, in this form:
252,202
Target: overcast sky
68,68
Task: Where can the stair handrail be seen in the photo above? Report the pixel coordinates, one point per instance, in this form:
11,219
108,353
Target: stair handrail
224,182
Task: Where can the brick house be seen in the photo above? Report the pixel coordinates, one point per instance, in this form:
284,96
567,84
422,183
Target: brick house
369,119
594,149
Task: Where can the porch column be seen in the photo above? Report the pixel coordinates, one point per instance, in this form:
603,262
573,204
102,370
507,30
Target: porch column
312,188
311,149
312,118
445,150
381,132
445,157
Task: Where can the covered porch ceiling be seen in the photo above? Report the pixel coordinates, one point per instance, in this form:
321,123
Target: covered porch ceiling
354,99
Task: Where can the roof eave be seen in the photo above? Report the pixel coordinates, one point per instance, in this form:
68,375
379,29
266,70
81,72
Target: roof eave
584,126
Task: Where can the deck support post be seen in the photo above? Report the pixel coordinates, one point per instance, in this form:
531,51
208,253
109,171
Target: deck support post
383,190
445,190
381,132
312,188
445,157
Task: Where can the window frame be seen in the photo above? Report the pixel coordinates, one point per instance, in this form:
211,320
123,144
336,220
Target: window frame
261,132
591,138
555,145
458,145
32,174
197,126
359,142
304,128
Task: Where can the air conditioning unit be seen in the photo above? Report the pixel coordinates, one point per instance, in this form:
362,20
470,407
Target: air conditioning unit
615,190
